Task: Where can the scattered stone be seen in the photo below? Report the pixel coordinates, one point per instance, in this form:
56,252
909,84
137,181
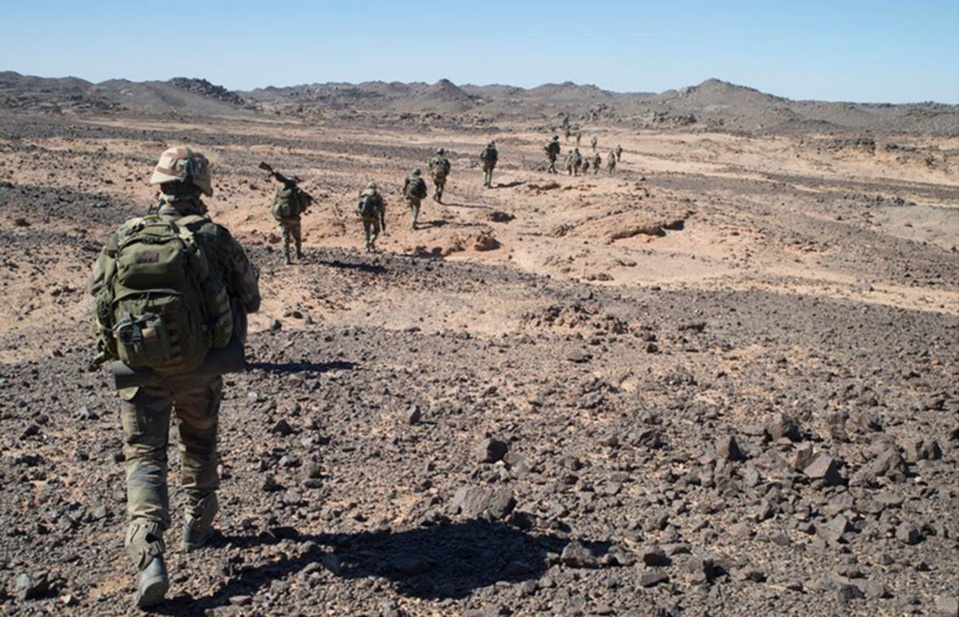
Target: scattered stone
833,530
947,605
728,449
782,426
651,578
491,450
654,556
918,449
474,502
413,414
889,464
824,467
575,555
907,533
33,586
283,428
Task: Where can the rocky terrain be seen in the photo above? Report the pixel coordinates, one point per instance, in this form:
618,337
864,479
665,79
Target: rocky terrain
720,381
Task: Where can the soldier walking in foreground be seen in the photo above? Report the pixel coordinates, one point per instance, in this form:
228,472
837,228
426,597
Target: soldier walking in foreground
414,190
372,211
439,169
611,163
169,288
597,162
552,152
574,160
489,156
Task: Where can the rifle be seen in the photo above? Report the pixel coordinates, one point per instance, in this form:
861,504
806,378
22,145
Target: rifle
290,183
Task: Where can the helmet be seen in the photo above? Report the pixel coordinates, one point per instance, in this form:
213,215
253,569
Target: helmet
440,151
492,144
555,137
181,164
371,185
416,171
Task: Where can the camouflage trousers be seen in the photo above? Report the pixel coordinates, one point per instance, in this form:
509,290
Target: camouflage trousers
439,183
371,229
292,231
488,175
146,413
552,165
414,203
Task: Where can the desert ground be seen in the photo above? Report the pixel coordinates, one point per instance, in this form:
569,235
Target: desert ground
721,380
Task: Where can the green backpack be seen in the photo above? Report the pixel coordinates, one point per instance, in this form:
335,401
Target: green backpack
289,203
162,307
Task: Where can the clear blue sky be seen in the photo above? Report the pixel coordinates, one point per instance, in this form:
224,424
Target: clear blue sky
892,51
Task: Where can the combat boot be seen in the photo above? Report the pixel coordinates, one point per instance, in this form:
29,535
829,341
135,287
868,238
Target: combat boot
198,525
152,584
144,543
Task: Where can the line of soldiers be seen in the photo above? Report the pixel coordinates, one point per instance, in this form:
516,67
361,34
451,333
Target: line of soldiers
371,206
575,162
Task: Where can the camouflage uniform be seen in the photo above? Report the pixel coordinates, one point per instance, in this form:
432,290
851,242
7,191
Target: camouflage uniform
439,169
597,163
145,411
552,152
291,226
489,156
373,223
611,162
618,151
593,142
574,161
413,181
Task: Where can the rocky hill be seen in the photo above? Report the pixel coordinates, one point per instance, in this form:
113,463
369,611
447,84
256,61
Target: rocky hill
713,105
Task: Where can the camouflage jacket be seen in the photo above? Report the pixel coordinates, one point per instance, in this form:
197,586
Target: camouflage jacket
223,251
440,166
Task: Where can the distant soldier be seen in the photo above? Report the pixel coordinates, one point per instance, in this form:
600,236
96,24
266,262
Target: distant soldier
586,160
566,127
618,150
372,211
593,142
574,161
414,190
597,163
289,205
579,135
439,169
611,162
489,156
552,152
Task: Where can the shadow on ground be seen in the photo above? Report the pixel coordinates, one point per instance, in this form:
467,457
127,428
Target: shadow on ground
432,563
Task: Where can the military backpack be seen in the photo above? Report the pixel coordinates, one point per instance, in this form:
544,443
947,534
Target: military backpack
161,306
369,205
417,188
289,203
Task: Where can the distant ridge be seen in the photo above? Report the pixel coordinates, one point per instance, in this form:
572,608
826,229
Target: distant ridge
713,105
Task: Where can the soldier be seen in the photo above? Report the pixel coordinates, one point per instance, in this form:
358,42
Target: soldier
597,162
552,152
289,205
611,162
439,169
618,150
193,396
579,135
489,156
372,211
586,160
574,160
593,142
414,190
